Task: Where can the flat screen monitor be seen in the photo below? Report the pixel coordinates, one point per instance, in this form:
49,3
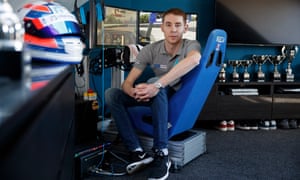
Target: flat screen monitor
264,22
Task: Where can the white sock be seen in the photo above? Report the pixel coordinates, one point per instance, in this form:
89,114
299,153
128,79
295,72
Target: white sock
165,151
138,149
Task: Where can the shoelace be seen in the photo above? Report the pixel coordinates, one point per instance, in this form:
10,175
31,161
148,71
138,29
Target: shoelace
159,155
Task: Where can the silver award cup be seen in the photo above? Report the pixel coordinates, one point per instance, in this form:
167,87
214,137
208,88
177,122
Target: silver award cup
276,60
291,53
260,60
246,74
235,75
222,73
15,61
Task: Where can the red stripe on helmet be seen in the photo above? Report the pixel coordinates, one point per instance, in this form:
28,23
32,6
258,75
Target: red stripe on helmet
46,42
37,23
35,7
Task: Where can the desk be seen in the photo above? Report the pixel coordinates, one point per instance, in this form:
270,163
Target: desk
36,128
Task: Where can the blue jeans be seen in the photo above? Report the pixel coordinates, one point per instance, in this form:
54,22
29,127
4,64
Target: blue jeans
117,101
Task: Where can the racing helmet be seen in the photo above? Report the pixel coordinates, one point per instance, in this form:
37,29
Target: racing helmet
52,33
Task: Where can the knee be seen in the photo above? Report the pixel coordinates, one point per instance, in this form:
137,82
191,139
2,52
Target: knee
162,96
110,95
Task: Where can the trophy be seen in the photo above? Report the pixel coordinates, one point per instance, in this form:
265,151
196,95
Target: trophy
291,53
222,73
235,75
246,74
260,60
276,60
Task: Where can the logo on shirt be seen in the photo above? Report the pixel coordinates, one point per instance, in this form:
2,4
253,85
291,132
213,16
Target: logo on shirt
160,66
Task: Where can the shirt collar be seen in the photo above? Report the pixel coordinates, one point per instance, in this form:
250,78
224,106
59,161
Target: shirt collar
163,50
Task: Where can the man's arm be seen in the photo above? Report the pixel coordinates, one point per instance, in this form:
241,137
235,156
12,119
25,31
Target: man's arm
127,85
187,64
143,92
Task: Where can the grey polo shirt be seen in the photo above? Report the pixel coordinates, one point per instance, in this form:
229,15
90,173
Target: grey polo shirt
160,61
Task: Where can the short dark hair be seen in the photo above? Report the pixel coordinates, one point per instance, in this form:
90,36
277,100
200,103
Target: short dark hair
175,11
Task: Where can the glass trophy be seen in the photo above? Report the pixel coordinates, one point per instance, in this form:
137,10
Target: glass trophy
260,60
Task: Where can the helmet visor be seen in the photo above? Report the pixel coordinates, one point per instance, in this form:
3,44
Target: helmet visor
59,28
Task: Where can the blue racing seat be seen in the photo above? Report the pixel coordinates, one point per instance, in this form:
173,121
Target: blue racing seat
186,104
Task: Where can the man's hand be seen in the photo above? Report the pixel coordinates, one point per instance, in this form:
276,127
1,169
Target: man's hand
144,92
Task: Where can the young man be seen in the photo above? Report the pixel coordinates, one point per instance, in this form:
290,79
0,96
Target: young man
169,59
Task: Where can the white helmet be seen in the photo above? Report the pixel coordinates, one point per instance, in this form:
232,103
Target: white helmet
52,33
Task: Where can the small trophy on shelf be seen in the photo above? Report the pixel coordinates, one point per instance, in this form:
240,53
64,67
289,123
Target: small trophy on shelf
235,75
276,60
260,60
222,73
246,74
291,53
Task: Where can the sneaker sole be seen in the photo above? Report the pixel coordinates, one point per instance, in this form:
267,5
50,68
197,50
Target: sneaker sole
253,128
165,176
230,129
222,129
243,128
131,168
264,128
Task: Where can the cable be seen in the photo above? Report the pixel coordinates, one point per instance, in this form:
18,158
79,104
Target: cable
109,168
102,146
118,157
99,171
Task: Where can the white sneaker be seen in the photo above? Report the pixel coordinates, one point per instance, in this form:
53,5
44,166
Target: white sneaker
264,125
243,126
273,125
222,126
230,125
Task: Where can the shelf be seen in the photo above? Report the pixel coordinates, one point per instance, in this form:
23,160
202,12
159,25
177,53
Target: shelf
244,107
244,88
287,89
275,100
